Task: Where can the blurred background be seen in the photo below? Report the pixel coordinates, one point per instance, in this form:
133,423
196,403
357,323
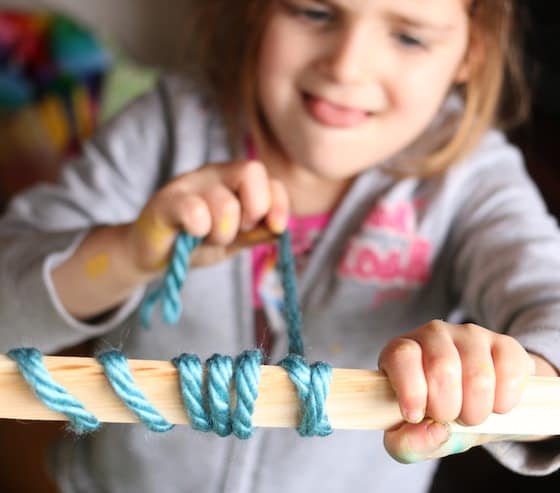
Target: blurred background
66,66
145,29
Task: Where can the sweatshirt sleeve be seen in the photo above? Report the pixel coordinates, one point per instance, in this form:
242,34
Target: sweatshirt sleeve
507,271
108,184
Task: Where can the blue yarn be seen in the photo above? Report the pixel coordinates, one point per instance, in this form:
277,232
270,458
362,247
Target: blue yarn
207,401
292,313
170,292
116,369
191,381
312,382
312,385
220,373
53,395
247,379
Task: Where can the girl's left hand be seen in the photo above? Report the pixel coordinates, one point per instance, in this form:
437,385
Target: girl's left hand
443,372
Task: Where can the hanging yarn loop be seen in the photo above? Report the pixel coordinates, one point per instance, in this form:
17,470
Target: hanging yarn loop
169,293
207,395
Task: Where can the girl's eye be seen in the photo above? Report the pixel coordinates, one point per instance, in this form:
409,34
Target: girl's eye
409,41
310,13
315,15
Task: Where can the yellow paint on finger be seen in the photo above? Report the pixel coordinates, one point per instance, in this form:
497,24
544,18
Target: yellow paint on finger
486,368
97,266
226,224
157,233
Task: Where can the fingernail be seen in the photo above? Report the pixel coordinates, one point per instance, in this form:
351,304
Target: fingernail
277,224
415,415
439,432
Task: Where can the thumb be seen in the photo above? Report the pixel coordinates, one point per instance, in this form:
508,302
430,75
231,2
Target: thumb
429,439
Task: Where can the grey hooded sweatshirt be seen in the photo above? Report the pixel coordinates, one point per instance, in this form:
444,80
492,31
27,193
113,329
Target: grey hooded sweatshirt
396,254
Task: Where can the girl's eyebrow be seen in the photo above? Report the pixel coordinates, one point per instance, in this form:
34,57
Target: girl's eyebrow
417,22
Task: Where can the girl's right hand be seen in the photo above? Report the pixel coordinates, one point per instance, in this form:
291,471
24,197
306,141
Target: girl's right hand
216,202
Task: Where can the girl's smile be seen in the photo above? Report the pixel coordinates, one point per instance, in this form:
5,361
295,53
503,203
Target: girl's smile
332,114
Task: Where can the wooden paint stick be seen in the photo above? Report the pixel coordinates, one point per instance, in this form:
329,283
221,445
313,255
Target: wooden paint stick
358,399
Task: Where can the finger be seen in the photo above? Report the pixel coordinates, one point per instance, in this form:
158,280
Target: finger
401,360
411,443
277,217
513,367
188,212
250,181
225,211
478,375
442,369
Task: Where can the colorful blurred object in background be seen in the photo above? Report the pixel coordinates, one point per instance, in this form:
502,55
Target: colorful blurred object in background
52,72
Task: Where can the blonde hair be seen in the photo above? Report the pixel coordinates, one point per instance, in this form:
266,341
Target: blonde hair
224,37
495,93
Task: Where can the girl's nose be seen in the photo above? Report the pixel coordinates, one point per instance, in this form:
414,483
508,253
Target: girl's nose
349,57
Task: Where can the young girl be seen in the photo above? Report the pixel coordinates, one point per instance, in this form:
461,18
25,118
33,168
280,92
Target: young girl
363,126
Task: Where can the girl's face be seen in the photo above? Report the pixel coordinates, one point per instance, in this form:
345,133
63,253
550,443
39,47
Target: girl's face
344,84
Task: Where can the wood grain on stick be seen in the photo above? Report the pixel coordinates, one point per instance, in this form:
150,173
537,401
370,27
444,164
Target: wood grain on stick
358,399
